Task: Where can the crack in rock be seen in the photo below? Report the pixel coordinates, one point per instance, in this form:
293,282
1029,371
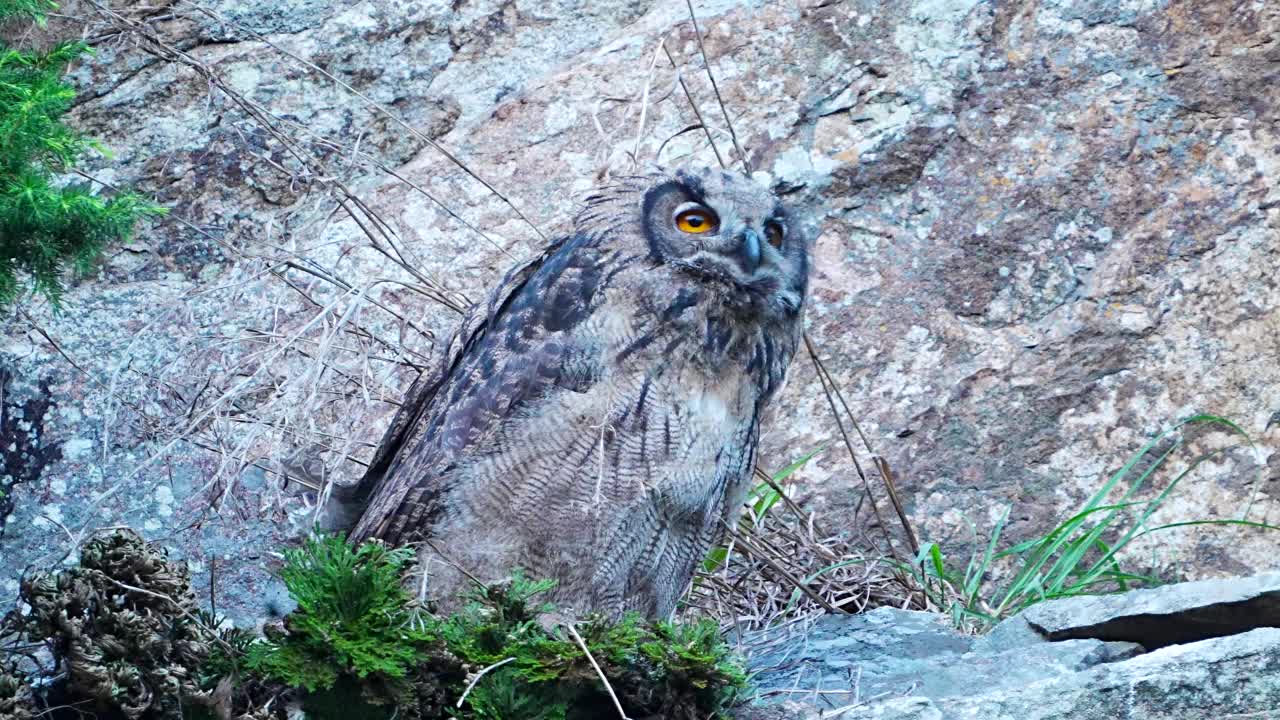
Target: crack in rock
1164,616
23,452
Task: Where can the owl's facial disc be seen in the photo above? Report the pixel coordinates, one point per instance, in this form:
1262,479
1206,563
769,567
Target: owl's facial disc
729,231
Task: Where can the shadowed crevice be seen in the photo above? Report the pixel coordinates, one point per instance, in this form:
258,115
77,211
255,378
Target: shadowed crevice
1155,628
23,452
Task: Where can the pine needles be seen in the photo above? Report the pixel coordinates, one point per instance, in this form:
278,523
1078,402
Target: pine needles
46,225
34,9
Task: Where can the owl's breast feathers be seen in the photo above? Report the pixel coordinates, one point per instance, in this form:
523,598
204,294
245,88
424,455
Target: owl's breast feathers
596,399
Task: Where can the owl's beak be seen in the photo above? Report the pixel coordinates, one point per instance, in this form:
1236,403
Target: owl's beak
749,250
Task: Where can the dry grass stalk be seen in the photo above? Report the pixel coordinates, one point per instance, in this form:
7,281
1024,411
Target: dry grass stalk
830,387
782,568
607,686
702,49
357,346
226,388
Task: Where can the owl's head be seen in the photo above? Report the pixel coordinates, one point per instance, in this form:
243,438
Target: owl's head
724,228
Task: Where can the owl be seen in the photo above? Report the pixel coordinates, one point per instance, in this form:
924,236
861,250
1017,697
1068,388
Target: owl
595,420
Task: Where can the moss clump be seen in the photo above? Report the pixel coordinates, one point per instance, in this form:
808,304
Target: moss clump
353,617
356,643
125,628
351,601
657,669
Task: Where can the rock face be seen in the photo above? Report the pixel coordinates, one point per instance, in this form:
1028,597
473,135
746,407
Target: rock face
1050,228
909,665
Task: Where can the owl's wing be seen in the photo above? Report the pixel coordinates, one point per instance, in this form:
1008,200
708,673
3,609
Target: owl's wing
406,423
487,329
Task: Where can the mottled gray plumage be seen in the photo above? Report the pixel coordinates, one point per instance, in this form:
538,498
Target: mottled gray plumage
596,419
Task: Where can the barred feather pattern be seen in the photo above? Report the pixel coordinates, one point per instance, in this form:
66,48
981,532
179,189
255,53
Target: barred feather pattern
594,421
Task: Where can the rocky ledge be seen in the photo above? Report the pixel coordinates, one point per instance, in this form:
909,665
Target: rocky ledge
1197,650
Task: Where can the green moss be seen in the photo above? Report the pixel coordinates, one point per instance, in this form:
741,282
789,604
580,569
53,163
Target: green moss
660,669
127,637
359,644
353,617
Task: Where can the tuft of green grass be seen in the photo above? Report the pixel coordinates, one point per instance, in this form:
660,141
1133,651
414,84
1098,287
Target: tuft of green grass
1081,555
760,501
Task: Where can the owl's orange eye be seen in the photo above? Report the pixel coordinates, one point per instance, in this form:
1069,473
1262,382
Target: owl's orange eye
697,221
773,233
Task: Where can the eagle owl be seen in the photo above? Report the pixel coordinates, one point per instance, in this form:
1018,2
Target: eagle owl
595,421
